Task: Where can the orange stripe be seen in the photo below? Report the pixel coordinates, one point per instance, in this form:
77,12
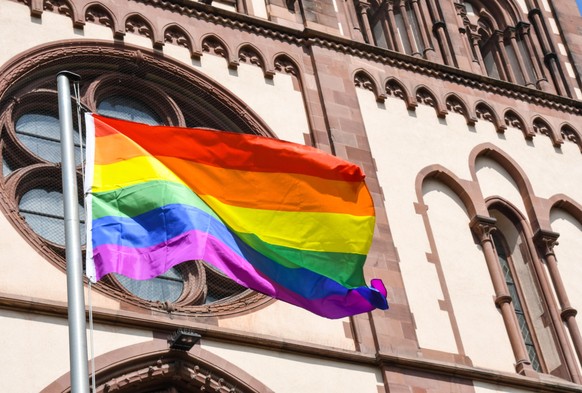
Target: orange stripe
115,147
257,190
273,191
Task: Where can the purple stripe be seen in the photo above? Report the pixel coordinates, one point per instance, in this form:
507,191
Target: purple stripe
144,263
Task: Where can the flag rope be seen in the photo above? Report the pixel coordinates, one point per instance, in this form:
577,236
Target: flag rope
80,109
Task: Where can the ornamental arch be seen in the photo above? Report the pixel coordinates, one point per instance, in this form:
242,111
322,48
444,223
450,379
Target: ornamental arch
152,366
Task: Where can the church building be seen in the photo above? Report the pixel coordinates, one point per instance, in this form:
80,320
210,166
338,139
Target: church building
465,116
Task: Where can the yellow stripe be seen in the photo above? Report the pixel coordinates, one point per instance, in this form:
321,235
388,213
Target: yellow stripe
330,232
133,171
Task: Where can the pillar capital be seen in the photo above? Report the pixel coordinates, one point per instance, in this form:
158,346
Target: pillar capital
568,312
483,226
546,241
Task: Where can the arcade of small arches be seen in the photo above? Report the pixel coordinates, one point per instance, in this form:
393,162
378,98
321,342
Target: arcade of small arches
501,40
172,33
479,110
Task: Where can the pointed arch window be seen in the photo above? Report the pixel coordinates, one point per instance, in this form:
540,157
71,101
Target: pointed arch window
500,43
522,277
514,291
401,25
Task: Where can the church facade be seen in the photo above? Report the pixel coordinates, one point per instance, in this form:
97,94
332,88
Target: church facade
465,115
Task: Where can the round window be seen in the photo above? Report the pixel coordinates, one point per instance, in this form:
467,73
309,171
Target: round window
30,152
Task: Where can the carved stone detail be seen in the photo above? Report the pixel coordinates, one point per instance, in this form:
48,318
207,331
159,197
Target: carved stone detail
568,134
484,113
137,25
394,89
546,241
283,64
98,15
541,127
179,371
511,120
58,6
176,36
462,12
215,46
483,226
456,106
424,97
249,55
362,81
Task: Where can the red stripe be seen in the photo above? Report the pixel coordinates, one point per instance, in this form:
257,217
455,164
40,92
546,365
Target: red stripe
232,150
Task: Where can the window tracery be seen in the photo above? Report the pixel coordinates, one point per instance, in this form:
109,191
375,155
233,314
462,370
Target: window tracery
501,43
401,25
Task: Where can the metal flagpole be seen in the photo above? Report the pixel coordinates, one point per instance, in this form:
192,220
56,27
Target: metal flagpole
75,293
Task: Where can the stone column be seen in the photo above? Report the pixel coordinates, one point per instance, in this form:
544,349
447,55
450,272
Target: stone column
511,33
409,33
502,57
550,56
428,50
363,7
396,44
546,242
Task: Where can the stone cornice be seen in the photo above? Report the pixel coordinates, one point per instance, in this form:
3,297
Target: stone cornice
222,17
447,73
312,37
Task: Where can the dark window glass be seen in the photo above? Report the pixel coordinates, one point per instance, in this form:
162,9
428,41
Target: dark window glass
126,108
515,299
43,211
41,134
164,288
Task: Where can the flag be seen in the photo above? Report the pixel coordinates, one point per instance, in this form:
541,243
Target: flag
283,219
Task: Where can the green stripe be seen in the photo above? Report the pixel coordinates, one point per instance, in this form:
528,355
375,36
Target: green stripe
137,199
344,268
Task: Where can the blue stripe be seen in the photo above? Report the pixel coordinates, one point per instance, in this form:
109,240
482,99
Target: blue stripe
165,223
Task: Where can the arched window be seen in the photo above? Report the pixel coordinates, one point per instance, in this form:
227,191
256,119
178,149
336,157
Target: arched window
402,25
127,108
507,267
518,281
39,131
500,42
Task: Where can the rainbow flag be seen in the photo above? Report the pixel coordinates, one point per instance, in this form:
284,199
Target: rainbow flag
283,219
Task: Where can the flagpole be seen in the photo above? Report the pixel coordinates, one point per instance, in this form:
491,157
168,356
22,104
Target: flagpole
75,290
